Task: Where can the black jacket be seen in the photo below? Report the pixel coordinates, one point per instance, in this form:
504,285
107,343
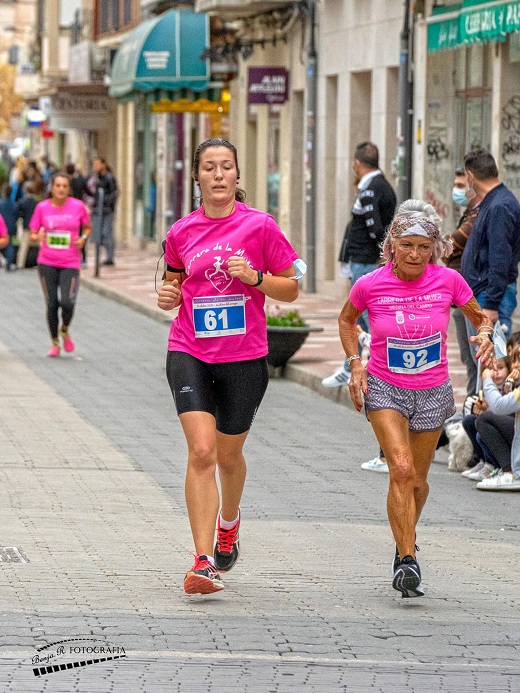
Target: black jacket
106,194
365,232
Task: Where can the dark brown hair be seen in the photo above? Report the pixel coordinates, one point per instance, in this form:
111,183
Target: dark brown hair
367,153
240,195
481,164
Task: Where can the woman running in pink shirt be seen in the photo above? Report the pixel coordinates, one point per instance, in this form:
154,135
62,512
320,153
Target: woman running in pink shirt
62,225
406,388
222,260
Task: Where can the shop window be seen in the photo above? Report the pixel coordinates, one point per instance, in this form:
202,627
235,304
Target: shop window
113,15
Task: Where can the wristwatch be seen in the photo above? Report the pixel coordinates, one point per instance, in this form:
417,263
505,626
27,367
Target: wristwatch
260,278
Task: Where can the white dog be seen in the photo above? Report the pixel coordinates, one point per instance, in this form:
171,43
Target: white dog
461,449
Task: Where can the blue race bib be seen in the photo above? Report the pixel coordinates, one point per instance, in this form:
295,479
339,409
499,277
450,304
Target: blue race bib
219,316
413,355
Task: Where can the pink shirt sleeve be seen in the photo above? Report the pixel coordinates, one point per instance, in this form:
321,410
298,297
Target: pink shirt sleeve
35,223
461,291
3,227
357,295
85,216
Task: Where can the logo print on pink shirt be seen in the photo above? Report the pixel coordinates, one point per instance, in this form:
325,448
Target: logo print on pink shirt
219,278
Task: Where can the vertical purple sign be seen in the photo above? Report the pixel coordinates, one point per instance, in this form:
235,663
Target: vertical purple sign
268,85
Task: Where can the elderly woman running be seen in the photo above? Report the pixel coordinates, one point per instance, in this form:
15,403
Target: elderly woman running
407,391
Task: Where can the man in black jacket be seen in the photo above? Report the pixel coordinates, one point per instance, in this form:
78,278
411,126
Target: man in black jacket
491,255
104,208
372,212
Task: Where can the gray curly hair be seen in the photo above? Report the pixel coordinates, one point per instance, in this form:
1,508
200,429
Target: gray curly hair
410,213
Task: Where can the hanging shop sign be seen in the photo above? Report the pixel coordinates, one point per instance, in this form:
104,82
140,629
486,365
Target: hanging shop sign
268,85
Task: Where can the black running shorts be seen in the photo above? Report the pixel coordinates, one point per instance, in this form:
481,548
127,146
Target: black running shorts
232,391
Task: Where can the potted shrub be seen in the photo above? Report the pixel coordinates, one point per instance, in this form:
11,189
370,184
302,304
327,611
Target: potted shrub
286,332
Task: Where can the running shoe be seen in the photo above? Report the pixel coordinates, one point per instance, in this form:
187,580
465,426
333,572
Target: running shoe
68,344
54,351
364,339
482,473
203,578
227,548
341,376
503,481
407,578
397,558
375,465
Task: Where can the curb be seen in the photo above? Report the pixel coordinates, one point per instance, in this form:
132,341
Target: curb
97,287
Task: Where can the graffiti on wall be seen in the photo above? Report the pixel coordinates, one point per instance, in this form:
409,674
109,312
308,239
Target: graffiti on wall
437,149
511,135
442,209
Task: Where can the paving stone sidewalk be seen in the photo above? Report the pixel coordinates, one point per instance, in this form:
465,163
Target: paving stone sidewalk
92,474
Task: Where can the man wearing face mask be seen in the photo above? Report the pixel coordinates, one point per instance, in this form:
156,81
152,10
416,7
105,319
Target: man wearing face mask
463,197
490,258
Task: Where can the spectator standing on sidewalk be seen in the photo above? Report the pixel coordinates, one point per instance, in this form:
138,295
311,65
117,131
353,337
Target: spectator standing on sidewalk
8,213
463,197
216,258
407,392
61,224
372,212
104,208
78,190
490,258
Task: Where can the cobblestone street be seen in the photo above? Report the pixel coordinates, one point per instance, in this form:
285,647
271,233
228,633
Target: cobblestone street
92,496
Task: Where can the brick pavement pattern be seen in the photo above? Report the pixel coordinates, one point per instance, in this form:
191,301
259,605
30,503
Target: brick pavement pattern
93,464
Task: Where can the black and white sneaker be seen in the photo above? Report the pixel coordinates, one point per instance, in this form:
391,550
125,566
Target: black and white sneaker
397,558
407,578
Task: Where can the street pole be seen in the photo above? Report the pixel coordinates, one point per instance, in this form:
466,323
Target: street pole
405,120
310,150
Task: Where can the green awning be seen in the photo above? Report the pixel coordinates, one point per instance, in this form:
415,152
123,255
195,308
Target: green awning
481,22
472,21
163,53
444,33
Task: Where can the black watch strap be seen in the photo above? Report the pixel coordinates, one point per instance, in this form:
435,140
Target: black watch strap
260,278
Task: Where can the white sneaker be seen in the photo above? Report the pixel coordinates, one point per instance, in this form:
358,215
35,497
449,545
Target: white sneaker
340,377
376,465
503,481
474,469
483,473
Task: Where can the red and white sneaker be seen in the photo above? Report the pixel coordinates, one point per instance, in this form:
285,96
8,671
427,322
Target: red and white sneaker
227,548
203,578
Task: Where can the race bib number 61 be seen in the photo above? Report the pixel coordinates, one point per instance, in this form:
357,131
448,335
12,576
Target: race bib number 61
219,316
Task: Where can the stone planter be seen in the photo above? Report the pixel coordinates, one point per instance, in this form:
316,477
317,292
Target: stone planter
284,342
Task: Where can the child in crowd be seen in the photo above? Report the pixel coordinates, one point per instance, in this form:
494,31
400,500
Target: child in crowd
484,460
505,442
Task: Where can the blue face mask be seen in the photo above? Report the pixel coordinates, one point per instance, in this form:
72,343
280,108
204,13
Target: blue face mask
459,197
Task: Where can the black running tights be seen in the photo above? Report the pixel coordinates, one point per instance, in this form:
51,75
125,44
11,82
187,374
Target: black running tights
60,288
496,432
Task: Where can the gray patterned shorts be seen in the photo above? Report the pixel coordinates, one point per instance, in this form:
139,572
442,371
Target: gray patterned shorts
426,410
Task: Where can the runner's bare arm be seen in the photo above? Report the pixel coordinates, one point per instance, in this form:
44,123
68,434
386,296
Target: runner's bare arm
278,286
170,295
484,327
349,339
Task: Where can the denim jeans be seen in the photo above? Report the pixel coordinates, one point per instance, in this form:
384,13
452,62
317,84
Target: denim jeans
358,269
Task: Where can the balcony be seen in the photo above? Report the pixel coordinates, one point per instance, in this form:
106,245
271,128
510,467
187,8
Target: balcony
231,9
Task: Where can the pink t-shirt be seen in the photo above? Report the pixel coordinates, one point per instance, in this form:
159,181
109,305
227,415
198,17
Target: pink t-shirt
220,318
409,323
62,227
3,227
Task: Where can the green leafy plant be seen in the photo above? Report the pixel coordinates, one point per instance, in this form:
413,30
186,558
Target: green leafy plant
277,317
